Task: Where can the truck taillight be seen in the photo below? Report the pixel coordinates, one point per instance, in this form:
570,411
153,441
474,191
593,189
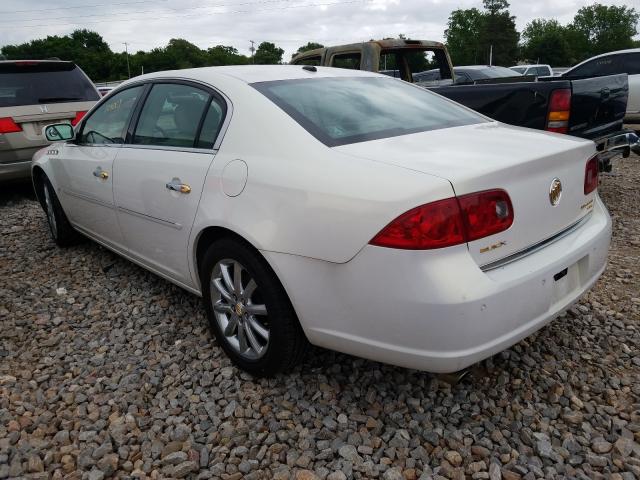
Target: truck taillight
7,125
559,110
78,117
449,222
591,175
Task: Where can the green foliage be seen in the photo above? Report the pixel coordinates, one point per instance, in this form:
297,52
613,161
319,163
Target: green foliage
499,31
223,55
602,28
463,30
268,54
595,29
310,46
471,33
93,55
546,41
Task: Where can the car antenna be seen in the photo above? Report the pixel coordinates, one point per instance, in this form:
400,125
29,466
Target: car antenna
310,68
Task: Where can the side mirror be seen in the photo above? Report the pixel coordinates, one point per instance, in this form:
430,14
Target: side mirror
59,132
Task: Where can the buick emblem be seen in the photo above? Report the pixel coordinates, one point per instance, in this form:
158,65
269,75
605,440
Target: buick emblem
555,191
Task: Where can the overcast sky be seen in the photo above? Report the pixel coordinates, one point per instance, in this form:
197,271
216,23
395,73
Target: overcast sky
145,24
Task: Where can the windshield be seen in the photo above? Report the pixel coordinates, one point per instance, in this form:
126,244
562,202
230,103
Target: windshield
338,111
32,83
519,69
498,72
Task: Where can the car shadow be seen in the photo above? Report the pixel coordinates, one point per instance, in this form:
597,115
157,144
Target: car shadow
16,191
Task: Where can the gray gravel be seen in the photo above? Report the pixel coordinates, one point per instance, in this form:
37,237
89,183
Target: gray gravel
108,371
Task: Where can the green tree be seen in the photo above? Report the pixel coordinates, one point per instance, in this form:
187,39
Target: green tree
309,46
471,34
222,55
498,33
545,41
268,54
600,28
461,36
84,47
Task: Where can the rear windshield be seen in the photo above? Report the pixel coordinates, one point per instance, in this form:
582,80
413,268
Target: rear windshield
338,111
497,72
31,83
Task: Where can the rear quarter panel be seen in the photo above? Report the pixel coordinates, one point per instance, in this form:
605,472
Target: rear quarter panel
301,197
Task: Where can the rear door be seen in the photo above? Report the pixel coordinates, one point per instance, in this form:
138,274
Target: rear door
629,63
84,168
37,93
159,176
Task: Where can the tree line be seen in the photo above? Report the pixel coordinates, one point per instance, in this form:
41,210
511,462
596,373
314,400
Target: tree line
472,35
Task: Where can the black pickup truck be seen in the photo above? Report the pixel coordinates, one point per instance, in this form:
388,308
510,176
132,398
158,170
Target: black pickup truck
591,108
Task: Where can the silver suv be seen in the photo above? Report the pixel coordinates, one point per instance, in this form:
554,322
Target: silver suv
35,93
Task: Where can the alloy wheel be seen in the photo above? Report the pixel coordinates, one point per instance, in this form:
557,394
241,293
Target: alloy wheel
239,309
51,216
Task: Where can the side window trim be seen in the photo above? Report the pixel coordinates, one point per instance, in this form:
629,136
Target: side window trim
224,103
95,109
196,138
135,117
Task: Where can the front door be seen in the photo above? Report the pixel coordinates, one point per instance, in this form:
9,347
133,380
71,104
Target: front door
85,168
159,176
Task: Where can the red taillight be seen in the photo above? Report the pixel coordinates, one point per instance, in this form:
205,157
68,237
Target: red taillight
78,117
449,222
559,111
486,213
7,125
591,176
434,225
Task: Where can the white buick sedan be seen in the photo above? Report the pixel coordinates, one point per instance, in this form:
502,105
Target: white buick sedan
348,209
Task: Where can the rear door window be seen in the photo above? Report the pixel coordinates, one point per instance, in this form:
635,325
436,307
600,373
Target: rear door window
597,67
108,123
212,124
171,116
347,60
629,63
315,61
33,83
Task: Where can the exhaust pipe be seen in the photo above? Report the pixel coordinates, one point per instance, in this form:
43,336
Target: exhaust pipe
455,377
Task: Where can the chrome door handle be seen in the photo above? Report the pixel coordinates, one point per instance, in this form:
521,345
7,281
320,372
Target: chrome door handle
176,186
99,173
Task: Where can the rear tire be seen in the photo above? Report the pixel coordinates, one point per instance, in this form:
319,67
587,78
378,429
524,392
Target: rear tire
61,230
248,310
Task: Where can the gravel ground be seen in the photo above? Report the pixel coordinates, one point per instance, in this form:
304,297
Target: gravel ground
109,371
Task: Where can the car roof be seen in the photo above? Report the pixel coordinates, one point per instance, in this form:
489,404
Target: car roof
389,43
27,60
255,73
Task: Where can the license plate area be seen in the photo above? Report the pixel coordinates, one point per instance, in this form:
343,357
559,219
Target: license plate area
565,283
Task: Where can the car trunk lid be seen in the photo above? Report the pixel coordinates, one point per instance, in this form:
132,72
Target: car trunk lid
494,156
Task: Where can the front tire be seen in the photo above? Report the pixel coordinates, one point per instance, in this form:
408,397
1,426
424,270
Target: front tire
61,230
248,309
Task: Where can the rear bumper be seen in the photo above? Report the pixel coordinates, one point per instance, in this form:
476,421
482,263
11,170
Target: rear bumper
15,163
437,310
15,171
620,143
